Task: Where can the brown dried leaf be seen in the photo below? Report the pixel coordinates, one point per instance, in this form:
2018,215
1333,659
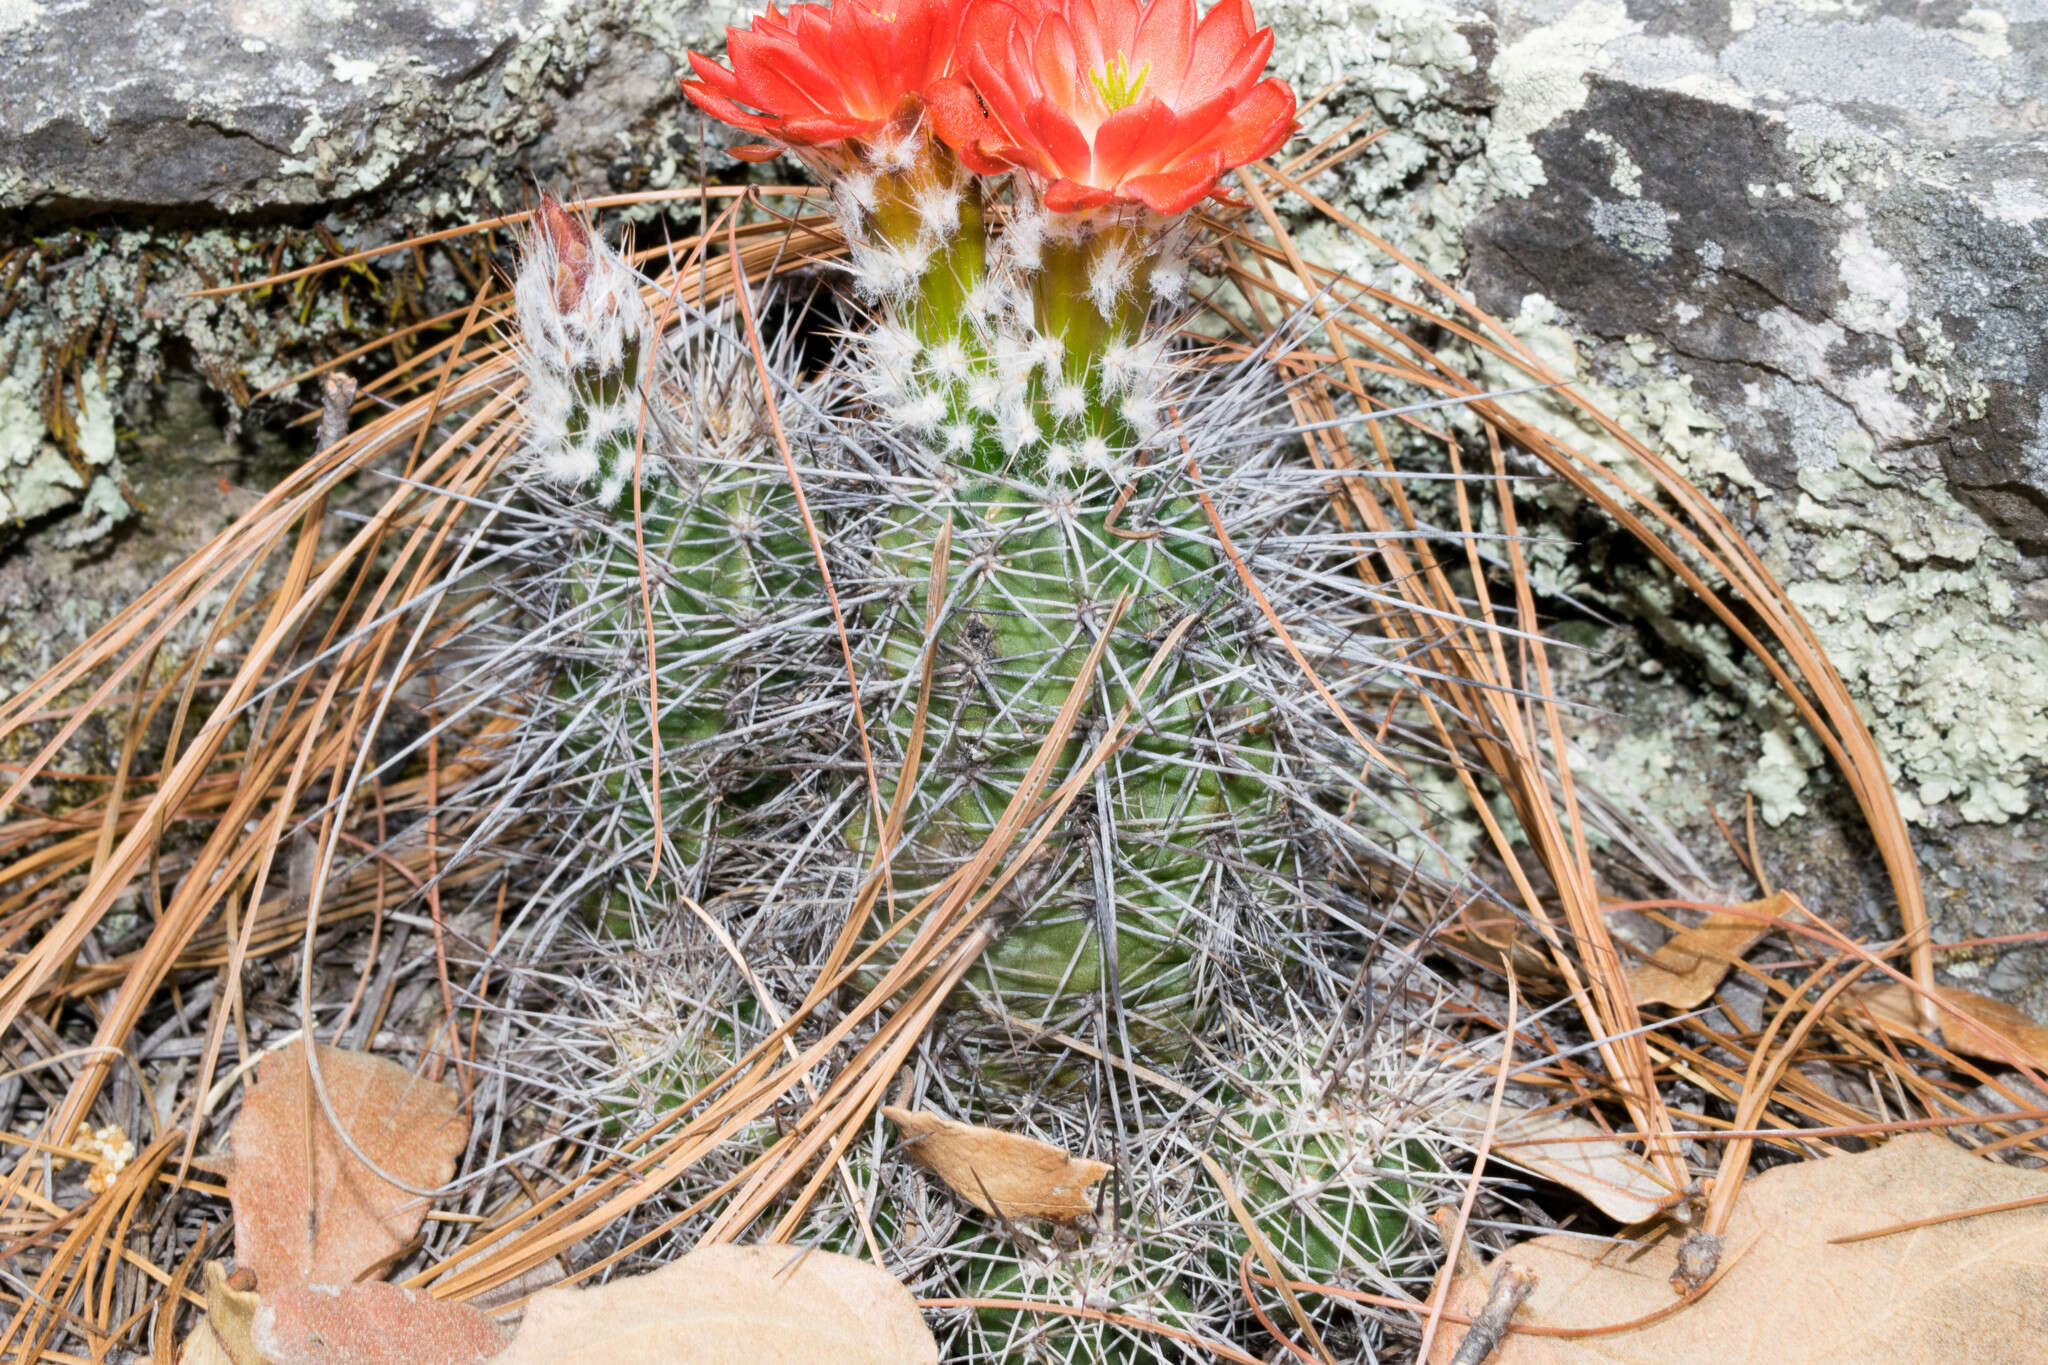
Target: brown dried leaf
223,1336
1494,938
999,1173
1569,1151
2003,1034
203,1348
1964,1290
728,1305
373,1323
346,1222
1691,964
357,1324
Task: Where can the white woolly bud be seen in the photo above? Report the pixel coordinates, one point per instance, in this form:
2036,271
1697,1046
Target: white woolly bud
959,437
1067,399
1060,459
983,393
582,320
1109,275
1096,453
604,316
948,359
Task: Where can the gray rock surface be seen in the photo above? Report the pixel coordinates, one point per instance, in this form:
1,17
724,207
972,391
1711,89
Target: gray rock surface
268,104
148,151
1824,229
1801,243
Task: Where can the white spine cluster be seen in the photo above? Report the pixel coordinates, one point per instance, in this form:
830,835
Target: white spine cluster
922,412
1024,236
586,335
1109,277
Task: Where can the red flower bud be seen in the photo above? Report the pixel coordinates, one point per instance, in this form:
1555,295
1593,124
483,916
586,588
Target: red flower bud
567,239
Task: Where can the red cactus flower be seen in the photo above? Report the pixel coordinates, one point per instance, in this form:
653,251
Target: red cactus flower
823,73
1113,99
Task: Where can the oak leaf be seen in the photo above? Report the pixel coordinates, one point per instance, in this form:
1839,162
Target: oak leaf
372,1323
1005,1174
730,1305
1569,1151
1969,1289
346,1222
1691,964
1972,1024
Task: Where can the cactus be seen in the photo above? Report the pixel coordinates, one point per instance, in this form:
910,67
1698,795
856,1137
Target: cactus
1022,371
1026,493
687,549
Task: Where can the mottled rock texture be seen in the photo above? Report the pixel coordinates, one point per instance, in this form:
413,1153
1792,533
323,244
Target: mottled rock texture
251,105
1802,245
148,151
1809,244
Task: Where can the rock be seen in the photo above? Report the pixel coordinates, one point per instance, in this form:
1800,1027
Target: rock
137,142
1830,232
1803,249
1856,208
236,107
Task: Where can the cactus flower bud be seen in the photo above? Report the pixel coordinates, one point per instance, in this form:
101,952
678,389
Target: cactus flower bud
586,331
568,237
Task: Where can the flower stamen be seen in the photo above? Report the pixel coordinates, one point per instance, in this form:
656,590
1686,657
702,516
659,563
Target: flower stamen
1116,84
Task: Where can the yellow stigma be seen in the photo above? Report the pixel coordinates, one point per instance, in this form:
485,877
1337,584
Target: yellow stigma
1116,84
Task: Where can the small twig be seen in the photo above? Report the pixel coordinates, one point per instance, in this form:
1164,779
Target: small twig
1511,1285
337,395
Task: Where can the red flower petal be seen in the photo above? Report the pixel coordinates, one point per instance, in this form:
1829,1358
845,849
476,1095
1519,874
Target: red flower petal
1069,196
1130,141
1054,135
825,72
959,121
1177,190
1256,127
1046,71
723,109
1166,31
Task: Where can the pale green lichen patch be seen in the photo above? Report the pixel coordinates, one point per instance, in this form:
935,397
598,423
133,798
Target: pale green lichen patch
1650,397
1906,589
99,316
